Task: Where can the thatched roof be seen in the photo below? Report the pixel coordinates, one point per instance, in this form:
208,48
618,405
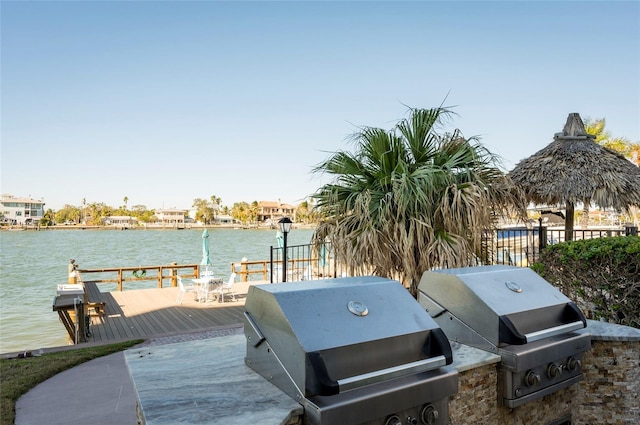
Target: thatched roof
573,168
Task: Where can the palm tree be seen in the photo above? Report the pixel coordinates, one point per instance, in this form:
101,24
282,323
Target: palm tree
409,199
603,137
621,145
215,205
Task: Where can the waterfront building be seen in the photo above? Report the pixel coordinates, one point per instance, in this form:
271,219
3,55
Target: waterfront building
121,221
225,219
171,216
272,211
21,211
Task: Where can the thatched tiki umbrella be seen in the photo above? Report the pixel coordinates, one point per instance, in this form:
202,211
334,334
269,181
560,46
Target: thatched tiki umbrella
573,168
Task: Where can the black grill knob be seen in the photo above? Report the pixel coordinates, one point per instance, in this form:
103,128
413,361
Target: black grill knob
429,415
532,379
573,364
393,420
553,371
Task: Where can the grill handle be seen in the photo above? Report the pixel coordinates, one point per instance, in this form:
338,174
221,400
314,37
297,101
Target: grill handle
256,336
328,386
556,330
571,316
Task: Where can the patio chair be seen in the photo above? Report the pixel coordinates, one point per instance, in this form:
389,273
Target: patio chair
277,273
226,288
184,289
307,273
206,289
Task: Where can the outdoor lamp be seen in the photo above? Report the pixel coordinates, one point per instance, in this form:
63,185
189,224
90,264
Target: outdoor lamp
285,227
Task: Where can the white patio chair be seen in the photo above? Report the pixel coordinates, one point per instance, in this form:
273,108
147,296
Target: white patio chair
307,273
277,273
226,288
206,289
184,289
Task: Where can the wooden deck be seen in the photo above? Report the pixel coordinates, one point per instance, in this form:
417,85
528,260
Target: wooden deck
147,313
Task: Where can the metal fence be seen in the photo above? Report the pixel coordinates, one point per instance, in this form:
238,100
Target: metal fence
521,246
518,246
305,262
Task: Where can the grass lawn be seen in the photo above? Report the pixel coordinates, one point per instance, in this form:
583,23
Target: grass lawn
20,375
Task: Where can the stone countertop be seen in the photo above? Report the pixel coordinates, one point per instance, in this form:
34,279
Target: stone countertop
466,357
205,381
605,331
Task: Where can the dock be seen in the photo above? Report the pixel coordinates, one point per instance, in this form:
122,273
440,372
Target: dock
146,313
130,312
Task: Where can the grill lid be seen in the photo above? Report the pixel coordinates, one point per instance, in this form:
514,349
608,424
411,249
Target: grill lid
333,335
503,304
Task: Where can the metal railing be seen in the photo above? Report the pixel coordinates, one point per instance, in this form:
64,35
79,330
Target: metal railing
305,262
519,246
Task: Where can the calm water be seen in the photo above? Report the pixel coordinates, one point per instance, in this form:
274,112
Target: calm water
33,263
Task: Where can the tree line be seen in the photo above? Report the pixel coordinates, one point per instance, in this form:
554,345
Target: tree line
206,212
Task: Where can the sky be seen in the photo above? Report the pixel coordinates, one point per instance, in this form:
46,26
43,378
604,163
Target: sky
166,102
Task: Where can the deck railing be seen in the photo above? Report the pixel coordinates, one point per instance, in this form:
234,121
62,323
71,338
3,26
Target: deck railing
245,269
142,273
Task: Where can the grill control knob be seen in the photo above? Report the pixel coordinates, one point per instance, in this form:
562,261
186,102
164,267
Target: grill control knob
532,378
553,371
429,415
393,420
573,364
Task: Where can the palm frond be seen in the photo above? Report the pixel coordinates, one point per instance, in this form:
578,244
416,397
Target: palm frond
412,199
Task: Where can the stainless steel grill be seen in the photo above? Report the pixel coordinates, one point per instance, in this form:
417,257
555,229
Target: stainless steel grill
515,313
351,351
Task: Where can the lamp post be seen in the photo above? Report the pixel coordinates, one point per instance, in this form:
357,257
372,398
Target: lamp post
285,228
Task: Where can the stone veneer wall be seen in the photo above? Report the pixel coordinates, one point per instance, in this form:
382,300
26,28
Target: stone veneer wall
610,393
545,410
477,402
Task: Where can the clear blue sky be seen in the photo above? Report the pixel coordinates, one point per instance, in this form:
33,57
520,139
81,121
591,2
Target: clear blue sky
165,102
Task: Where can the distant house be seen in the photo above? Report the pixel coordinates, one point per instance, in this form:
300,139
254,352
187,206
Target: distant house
225,219
171,216
21,211
124,221
272,211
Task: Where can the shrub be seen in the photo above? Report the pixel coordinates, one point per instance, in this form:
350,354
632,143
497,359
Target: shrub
601,275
